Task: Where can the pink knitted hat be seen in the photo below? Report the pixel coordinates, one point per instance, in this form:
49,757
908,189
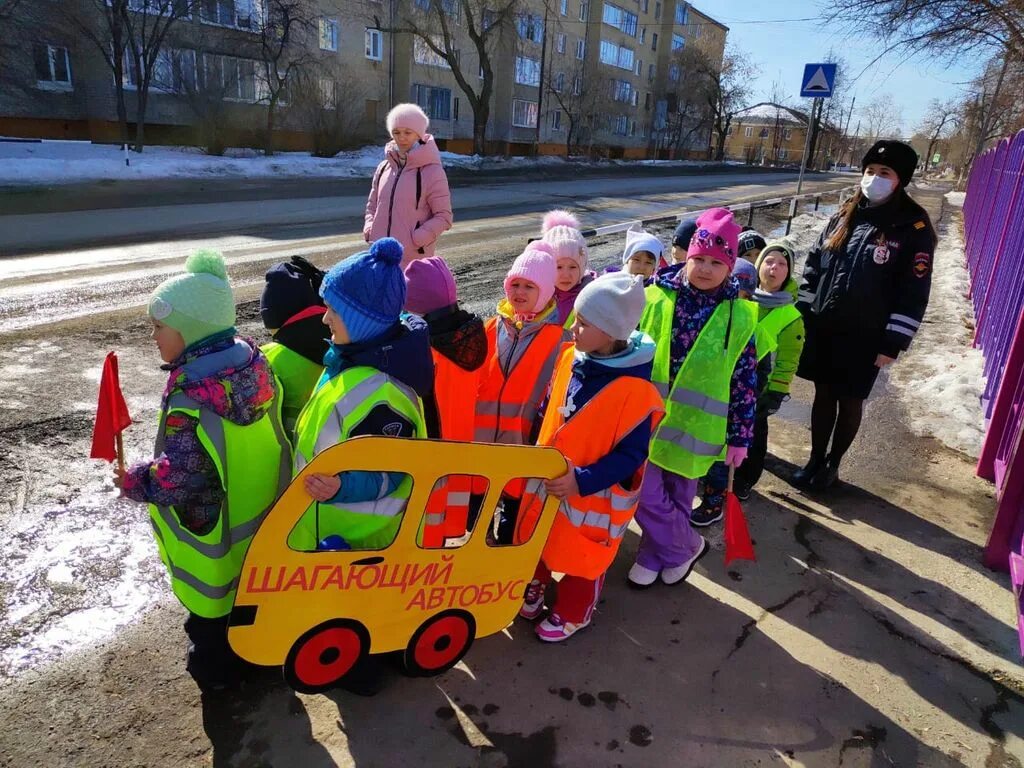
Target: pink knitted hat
430,286
717,236
536,264
408,116
562,231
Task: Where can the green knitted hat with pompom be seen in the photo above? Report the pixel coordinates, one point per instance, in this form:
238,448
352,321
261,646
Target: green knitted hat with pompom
199,303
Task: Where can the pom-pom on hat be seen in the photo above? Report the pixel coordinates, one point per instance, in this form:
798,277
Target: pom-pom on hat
367,290
561,230
899,156
613,302
638,240
536,264
430,286
716,236
408,116
291,287
198,303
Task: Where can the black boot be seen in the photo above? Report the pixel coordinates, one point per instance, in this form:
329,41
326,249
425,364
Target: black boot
826,476
802,477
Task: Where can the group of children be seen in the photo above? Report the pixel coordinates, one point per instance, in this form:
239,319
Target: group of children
650,379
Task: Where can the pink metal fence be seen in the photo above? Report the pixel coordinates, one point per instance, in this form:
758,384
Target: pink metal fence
994,237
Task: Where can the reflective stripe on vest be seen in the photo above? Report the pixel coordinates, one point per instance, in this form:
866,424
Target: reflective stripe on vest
506,408
692,436
338,406
588,529
253,463
771,325
298,377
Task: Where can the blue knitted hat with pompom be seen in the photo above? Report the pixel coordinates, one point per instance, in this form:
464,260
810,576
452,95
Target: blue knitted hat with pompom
367,290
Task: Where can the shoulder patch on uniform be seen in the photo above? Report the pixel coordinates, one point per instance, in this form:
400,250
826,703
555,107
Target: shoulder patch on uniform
919,225
922,264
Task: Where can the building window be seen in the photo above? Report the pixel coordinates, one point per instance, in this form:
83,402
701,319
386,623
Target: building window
632,127
581,49
560,42
524,113
436,102
643,35
787,133
678,42
556,120
698,31
452,9
174,70
328,93
647,100
616,55
328,34
783,153
763,133
636,97
748,131
228,13
646,5
576,86
654,41
236,78
583,11
455,108
374,44
424,54
728,131
619,18
621,90
639,67
657,10
53,66
650,73
527,71
563,7
621,126
560,82
530,27
682,14
673,73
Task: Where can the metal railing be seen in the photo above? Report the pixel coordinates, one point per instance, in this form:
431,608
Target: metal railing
994,237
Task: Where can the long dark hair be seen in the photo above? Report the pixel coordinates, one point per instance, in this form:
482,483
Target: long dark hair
837,240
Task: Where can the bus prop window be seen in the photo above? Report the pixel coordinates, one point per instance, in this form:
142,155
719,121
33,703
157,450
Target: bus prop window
518,510
452,510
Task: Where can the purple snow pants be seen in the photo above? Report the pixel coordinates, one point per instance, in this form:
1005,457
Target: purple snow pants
668,538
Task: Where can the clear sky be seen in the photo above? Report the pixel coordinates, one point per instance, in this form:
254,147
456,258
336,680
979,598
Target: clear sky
781,48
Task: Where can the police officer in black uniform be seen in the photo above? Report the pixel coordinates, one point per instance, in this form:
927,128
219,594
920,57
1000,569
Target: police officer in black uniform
863,294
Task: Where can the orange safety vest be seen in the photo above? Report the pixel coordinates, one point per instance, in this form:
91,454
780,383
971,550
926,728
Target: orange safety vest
588,529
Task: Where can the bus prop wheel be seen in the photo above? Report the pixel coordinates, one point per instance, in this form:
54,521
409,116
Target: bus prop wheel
325,654
440,643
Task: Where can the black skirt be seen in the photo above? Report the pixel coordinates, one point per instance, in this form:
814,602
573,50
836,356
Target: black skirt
841,359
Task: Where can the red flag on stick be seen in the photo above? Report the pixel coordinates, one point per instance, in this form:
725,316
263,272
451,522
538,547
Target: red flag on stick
111,416
738,545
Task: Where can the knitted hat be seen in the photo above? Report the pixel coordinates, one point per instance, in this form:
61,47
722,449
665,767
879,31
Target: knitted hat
536,264
429,286
749,240
899,156
291,287
684,233
716,236
638,240
613,302
562,231
199,303
746,275
408,116
784,246
367,290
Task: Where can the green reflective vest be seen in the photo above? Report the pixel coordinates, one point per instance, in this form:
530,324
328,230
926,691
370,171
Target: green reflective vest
692,435
771,325
567,325
337,407
298,377
253,463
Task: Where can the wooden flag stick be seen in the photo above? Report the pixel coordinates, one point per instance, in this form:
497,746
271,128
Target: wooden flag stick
728,488
120,455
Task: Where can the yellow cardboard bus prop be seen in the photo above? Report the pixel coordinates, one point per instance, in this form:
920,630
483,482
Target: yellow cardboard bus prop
319,613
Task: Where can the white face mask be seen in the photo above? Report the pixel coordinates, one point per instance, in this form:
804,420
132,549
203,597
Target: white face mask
876,188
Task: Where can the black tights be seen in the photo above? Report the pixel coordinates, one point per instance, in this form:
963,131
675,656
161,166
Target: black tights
833,418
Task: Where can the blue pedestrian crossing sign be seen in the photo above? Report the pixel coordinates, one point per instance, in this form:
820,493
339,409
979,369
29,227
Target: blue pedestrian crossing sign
818,82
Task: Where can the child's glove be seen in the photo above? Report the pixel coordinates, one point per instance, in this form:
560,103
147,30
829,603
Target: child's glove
734,455
769,403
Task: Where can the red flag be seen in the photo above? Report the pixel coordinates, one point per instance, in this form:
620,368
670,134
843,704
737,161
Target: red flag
738,545
111,413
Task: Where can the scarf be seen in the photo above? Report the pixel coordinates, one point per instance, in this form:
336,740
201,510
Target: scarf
772,299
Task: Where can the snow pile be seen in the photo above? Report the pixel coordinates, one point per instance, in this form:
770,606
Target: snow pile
941,379
956,198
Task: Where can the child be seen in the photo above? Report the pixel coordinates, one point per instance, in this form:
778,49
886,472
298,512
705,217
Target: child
750,245
780,329
644,254
746,277
219,423
706,367
523,342
293,312
386,359
561,230
599,415
681,239
459,348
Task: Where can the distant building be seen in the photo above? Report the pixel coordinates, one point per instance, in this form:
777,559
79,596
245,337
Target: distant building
773,134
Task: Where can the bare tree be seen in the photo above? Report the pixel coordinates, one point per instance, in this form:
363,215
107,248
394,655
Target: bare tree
883,118
321,101
283,31
102,22
436,24
725,88
689,113
937,123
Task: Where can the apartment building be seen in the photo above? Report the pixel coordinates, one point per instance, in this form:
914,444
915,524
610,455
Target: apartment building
773,134
589,73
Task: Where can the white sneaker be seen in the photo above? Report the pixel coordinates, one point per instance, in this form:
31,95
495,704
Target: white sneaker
554,630
533,601
680,572
640,577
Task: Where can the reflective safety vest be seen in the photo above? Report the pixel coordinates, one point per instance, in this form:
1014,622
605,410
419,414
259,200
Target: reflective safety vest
771,325
334,410
692,436
588,529
253,462
297,375
567,325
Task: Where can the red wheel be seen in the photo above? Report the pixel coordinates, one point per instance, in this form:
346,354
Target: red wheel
440,643
325,654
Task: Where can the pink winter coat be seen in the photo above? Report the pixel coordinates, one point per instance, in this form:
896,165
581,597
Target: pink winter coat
393,209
